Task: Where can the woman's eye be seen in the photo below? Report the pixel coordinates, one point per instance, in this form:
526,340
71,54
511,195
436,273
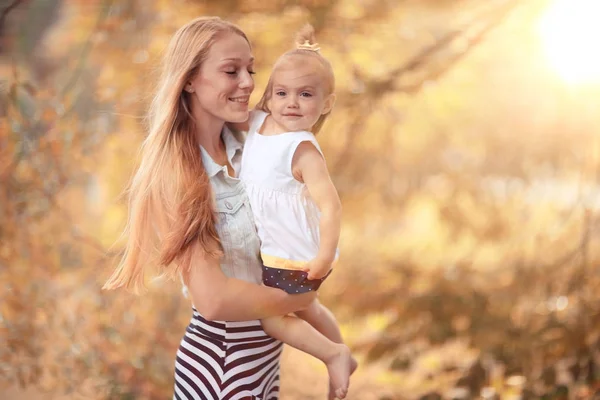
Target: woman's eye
306,94
235,72
280,93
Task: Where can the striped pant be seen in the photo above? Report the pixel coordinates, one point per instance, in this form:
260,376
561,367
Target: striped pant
220,360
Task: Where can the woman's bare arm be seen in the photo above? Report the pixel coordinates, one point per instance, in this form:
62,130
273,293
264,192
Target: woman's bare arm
218,297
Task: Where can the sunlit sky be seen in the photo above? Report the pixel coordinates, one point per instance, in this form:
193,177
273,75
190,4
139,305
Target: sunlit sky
569,32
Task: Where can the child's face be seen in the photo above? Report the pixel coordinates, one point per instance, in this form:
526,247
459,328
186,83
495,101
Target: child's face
298,96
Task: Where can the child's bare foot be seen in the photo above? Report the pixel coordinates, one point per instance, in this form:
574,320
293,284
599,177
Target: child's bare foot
331,395
353,366
339,367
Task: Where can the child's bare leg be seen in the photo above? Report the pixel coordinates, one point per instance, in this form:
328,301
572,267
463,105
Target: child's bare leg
324,321
302,336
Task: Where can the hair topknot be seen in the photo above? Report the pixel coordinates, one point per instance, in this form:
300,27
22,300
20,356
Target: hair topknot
306,33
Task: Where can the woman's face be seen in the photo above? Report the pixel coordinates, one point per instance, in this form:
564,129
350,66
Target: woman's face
223,85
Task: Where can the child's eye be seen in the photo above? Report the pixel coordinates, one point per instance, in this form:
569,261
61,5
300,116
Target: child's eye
280,93
306,94
251,72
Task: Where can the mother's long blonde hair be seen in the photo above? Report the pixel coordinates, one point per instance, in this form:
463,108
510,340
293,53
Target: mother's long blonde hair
170,200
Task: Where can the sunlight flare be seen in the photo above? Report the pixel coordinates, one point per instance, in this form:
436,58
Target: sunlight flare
569,31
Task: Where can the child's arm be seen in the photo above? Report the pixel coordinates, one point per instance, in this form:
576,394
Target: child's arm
308,166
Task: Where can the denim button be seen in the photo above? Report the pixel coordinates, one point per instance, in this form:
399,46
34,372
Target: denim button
228,205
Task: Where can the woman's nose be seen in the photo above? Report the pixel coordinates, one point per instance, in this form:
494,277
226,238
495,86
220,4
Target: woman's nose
247,82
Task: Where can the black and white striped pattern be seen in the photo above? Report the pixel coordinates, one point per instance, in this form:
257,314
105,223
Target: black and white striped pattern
220,360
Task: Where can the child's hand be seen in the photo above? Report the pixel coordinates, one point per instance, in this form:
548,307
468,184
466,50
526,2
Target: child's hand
316,268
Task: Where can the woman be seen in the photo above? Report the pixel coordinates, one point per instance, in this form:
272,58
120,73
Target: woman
189,168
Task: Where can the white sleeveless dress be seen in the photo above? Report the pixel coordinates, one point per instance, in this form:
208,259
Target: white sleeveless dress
287,219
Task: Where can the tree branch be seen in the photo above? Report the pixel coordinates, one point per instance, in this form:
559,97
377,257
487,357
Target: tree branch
5,12
471,42
376,89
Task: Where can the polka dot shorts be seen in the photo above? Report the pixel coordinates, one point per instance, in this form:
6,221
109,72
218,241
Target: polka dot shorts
291,281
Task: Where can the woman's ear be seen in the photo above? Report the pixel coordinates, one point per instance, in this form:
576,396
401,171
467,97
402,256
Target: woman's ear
329,102
189,88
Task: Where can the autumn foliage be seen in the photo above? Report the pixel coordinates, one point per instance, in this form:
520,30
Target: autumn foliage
467,169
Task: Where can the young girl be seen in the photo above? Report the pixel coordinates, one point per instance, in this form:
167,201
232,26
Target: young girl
296,206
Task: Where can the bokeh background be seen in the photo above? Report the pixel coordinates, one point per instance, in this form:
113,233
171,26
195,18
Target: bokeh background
465,148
